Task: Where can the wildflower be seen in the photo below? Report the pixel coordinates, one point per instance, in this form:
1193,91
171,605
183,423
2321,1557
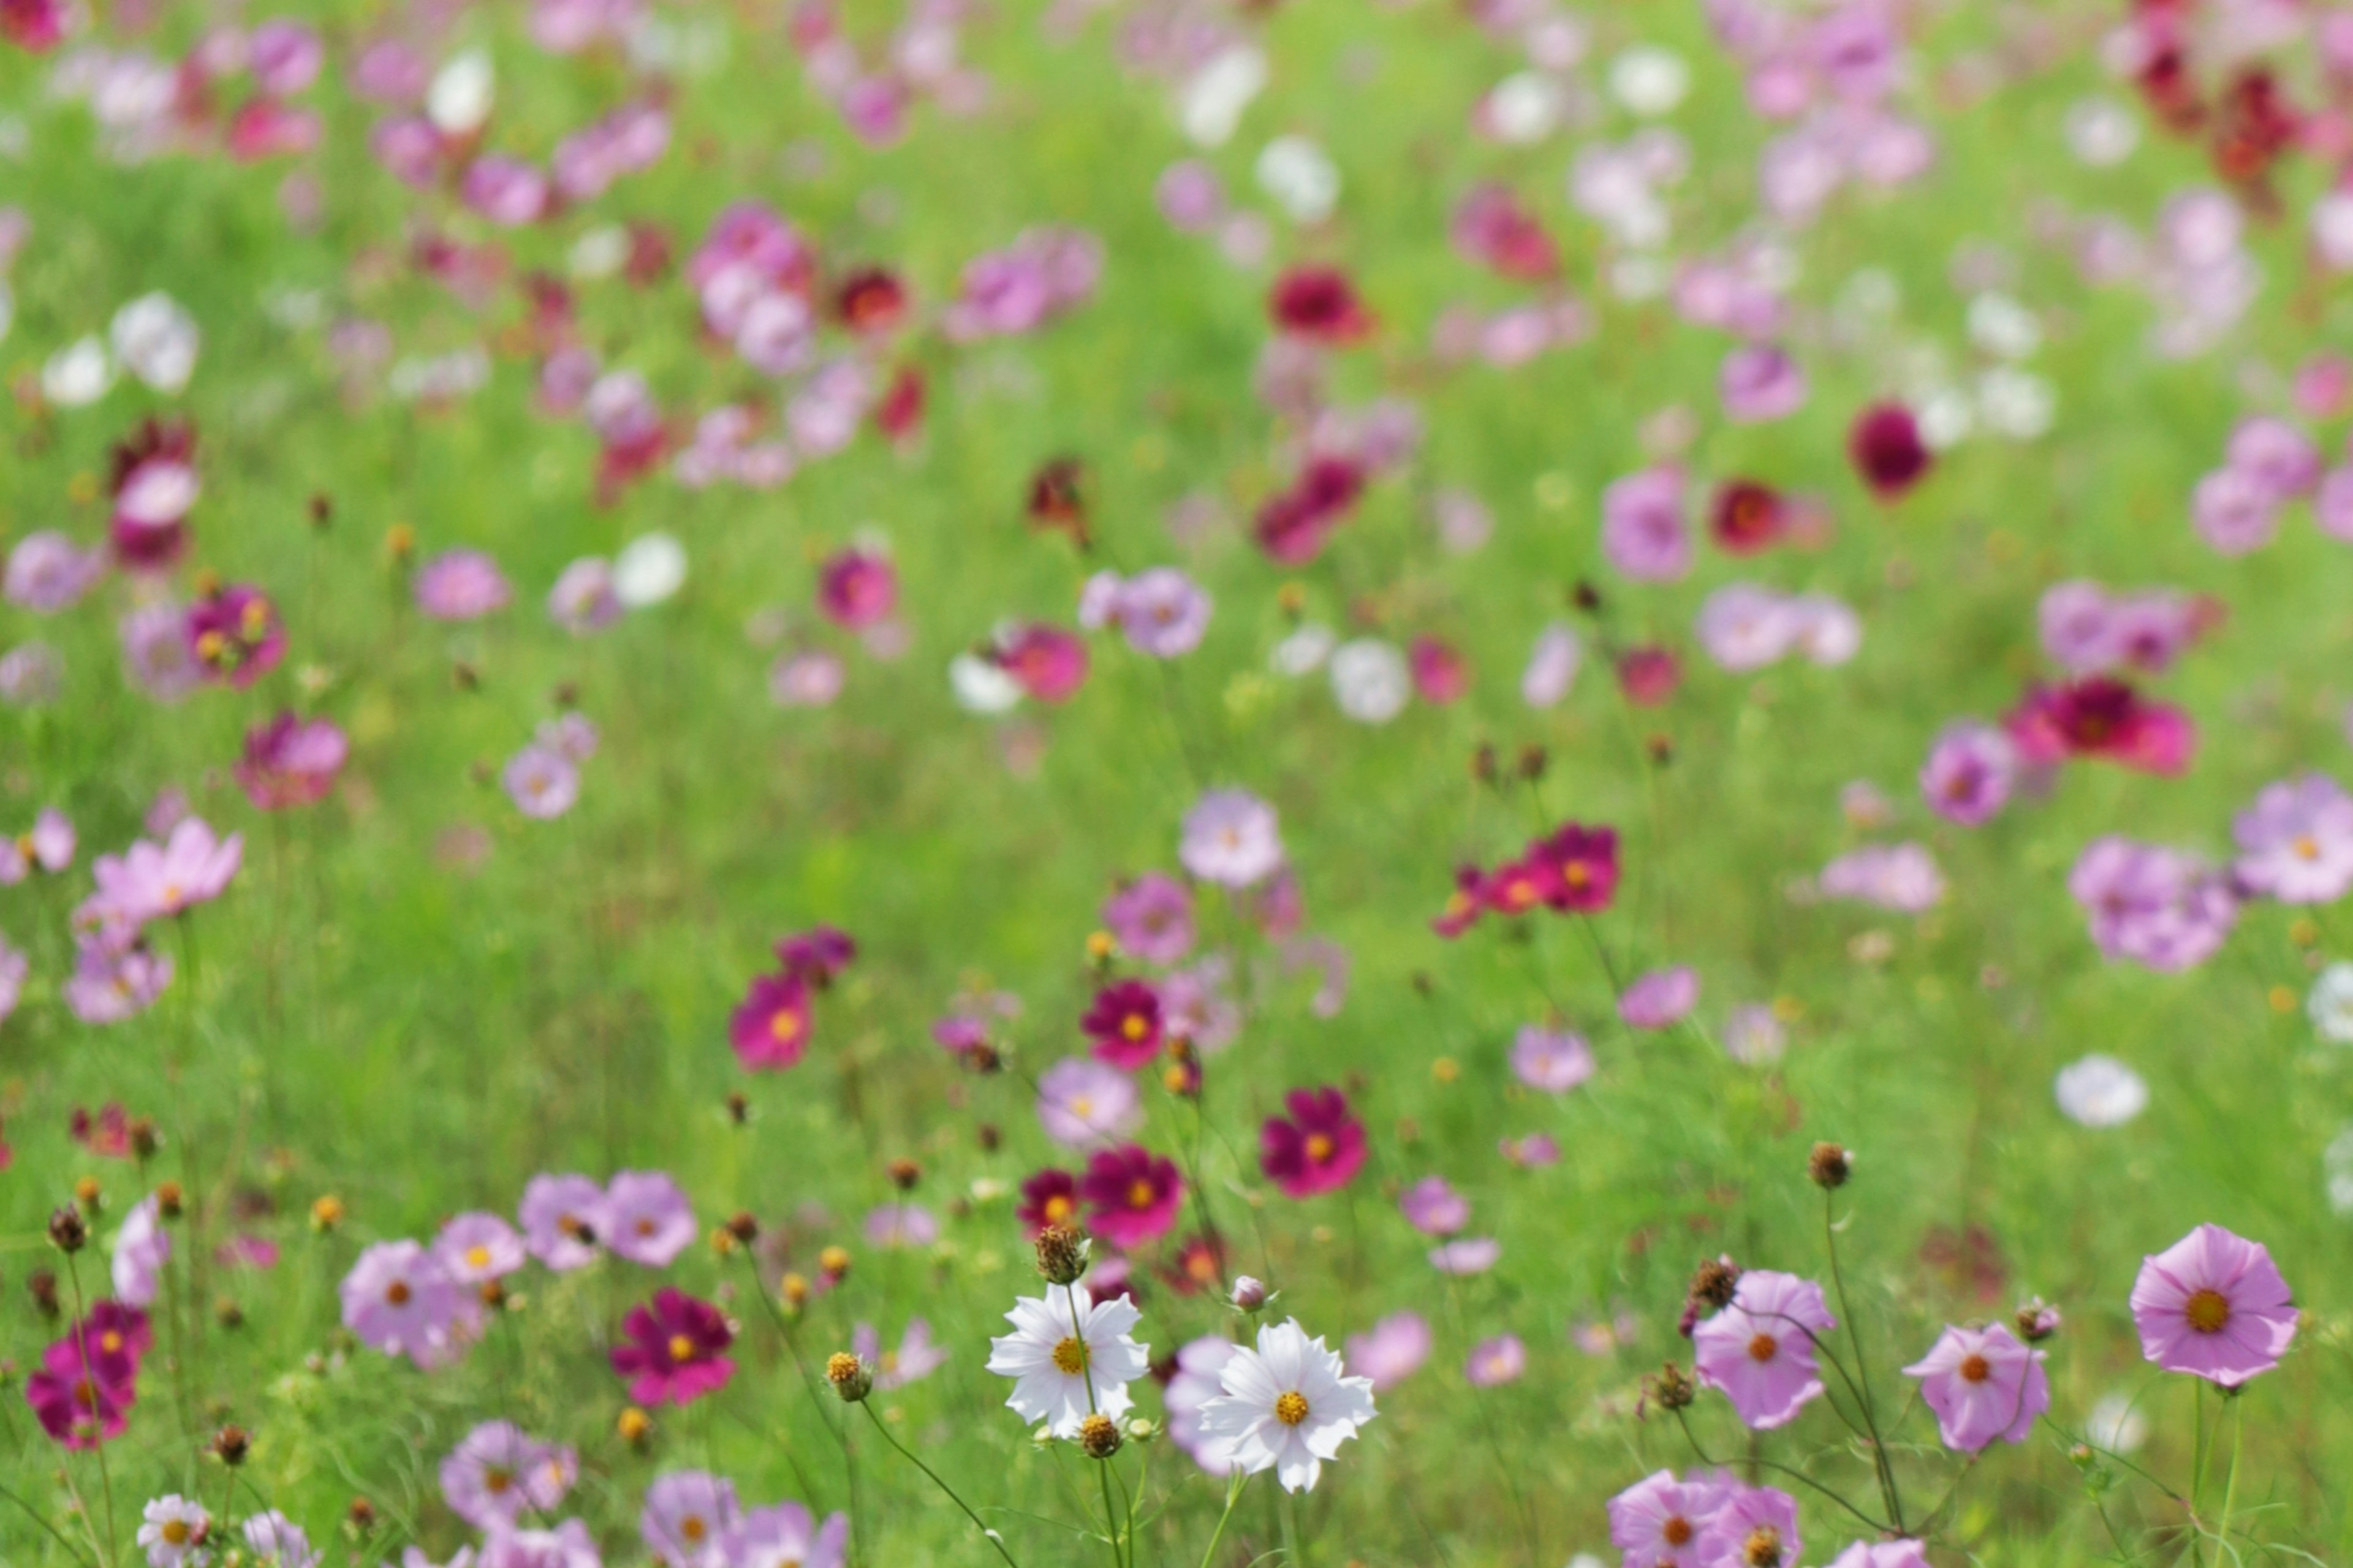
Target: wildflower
2330,1003
1319,304
142,1248
1643,528
1123,1026
689,1520
2214,1305
916,1357
1194,1384
1318,1148
1495,1362
81,1393
858,588
568,1545
2100,716
1069,1355
1163,612
1983,1384
155,487
175,1532
290,762
852,1380
277,1541
672,1350
1755,1527
461,585
47,573
541,781
2157,907
1759,1349
563,1220
1392,1350
1371,681
1434,1208
1152,917
817,955
788,1536
1660,998
1466,1254
1083,1102
1886,446
475,1249
1970,771
648,1219
1658,1521
1230,839
1899,876
1287,1405
1552,666
1132,1195
2100,1092
1882,1554
1759,383
497,1470
2296,844
584,600
1047,662
149,882
1744,627
397,1298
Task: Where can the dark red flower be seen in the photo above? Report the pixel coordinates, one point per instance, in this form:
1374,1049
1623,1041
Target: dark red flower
1318,303
872,299
1132,1195
1748,516
1058,496
816,954
1123,1026
671,1348
1318,1148
1050,1198
1649,675
2100,716
1886,448
900,413
1293,526
81,1393
1584,863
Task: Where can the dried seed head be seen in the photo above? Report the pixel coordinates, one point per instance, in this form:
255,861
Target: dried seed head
1062,1254
1672,1389
1713,1282
905,1173
1099,1434
2036,1320
145,1141
42,1285
230,1445
169,1199
745,1228
67,1233
1828,1166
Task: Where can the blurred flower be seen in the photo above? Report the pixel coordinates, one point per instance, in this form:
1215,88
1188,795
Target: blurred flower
2100,1092
670,1350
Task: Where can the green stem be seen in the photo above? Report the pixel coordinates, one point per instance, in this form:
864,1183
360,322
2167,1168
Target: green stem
2231,1486
934,1475
54,1533
1861,1374
1235,1484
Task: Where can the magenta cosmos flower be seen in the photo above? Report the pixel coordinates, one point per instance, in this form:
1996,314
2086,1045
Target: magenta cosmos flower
1760,1350
2214,1305
1131,1194
1152,917
81,1395
290,762
461,585
858,588
1122,1027
770,1028
2100,716
1318,1148
2296,843
1887,451
1983,1384
673,1350
1391,1350
235,635
1584,865
1045,661
155,487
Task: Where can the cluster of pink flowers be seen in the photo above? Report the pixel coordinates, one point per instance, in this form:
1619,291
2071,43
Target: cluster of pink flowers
1573,871
770,1029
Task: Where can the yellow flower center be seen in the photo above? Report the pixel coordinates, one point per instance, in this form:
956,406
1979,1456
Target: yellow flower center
1292,1408
1081,1106
1139,1194
496,1481
1676,1532
2208,1310
2308,847
110,1342
692,1527
478,1256
1763,1548
1763,1347
1071,1357
681,1348
785,1027
1058,1208
1319,1147
175,1531
1134,1025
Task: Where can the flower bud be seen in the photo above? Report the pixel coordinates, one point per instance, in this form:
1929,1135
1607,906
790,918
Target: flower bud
1099,1434
230,1445
42,1285
1672,1389
1828,1166
170,1201
144,1140
745,1228
834,1263
67,1233
326,1213
1249,1294
850,1377
794,1291
1062,1254
89,1195
904,1175
2036,1320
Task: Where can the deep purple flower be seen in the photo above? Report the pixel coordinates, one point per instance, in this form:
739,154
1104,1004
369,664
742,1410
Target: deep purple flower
1318,1148
1887,451
1131,1194
673,1354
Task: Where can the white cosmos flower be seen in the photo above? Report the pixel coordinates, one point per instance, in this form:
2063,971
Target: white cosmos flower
981,686
1304,651
2336,1164
458,101
1524,108
1301,177
1648,80
650,569
1064,1346
156,340
1211,104
2114,1425
1370,682
1287,1407
174,1532
2016,403
78,375
2101,1092
1552,666
2330,1003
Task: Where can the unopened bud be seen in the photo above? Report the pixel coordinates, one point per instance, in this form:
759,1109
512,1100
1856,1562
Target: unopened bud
169,1199
2036,1320
794,1289
1249,1294
326,1213
905,1173
1062,1254
1828,1166
745,1228
1099,1434
67,1233
1672,1389
230,1445
849,1376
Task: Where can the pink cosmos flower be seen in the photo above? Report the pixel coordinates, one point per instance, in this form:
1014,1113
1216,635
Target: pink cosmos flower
2157,907
2279,459
1583,863
507,191
1131,1194
1047,662
115,980
818,955
788,1536
149,882
155,487
858,588
673,1347
542,781
398,1300
142,1248
2214,1305
1970,771
1196,1382
1643,532
1759,383
474,1248
1441,673
47,573
689,1520
1899,876
1163,611
1434,1208
901,1225
1230,839
770,1028
1983,1384
1152,917
1318,1148
568,1545
290,762
1659,999
497,1470
1123,1026
563,1220
1760,1350
1466,1254
1554,1061
461,585
1658,1521
916,1357
583,599
1391,1350
648,1218
1497,1361
1754,1524
1882,1555
81,1395
2296,843
235,635
1083,1103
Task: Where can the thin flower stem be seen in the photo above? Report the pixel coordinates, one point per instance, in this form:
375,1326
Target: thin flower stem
1236,1484
1863,1376
1796,1475
934,1475
53,1532
1290,1518
2230,1484
81,1348
1103,1470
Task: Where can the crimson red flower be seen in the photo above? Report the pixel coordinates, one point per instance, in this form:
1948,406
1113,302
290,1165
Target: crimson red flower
1886,446
1124,1024
771,1027
1132,1195
1584,863
106,1134
671,1354
1047,662
2100,716
1058,496
1293,526
1199,1265
1648,676
898,414
236,634
1050,1198
1318,303
1748,516
872,299
1319,1148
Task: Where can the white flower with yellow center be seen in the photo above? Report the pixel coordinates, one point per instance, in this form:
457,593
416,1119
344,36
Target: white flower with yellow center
174,1532
1069,1356
1287,1407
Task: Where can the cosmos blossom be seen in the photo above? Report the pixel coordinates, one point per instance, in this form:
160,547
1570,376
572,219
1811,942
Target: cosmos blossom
2214,1305
1316,1147
1132,1195
1983,1384
1123,1026
769,1029
1759,1349
672,1350
1070,1355
1286,1404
